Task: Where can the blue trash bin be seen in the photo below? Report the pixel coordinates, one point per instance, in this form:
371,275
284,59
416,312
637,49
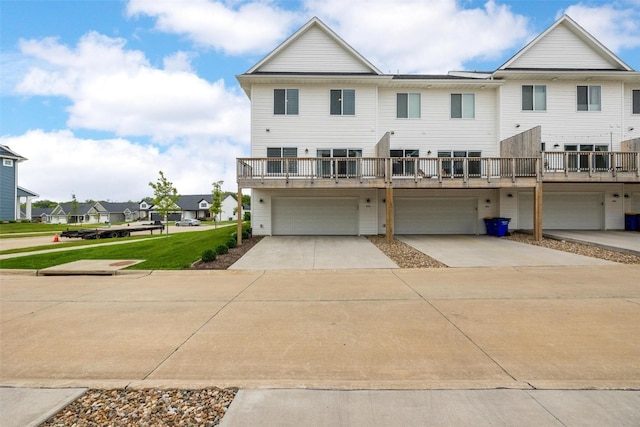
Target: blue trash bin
637,222
502,226
490,224
631,221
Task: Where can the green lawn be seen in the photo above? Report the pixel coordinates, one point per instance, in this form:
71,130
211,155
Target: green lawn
175,252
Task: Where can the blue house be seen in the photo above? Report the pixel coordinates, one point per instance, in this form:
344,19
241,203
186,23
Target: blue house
10,194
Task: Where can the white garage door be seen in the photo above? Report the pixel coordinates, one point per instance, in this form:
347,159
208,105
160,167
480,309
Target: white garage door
563,211
435,216
314,216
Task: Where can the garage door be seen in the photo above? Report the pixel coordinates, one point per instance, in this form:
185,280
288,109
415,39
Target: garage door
563,211
435,216
314,216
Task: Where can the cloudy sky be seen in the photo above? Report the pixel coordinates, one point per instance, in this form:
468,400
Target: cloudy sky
100,95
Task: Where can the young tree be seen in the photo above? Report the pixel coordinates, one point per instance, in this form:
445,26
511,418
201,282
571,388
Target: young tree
166,197
216,202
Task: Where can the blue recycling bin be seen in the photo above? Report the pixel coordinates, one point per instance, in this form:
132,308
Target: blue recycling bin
637,222
490,224
631,221
502,226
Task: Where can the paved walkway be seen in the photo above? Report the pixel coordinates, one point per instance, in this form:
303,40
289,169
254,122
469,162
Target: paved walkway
520,328
628,241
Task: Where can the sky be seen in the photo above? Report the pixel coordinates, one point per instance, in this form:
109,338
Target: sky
101,95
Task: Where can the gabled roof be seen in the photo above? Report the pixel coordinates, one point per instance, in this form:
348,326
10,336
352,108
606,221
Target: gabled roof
192,202
67,208
8,153
581,34
119,207
315,23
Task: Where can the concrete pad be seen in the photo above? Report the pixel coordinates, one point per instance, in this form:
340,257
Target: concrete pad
22,407
313,252
569,341
524,282
98,340
325,285
93,267
628,241
52,288
387,408
591,407
343,344
490,251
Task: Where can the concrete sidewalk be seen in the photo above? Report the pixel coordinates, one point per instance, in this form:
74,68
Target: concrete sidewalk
519,328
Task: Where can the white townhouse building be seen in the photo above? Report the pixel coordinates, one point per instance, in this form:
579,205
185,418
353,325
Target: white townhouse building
551,139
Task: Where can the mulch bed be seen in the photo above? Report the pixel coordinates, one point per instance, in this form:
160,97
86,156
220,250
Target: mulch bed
222,262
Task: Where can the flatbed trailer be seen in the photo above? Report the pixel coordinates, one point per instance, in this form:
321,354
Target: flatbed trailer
109,233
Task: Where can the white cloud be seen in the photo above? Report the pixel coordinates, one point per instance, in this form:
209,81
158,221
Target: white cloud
250,27
419,36
116,90
59,164
614,26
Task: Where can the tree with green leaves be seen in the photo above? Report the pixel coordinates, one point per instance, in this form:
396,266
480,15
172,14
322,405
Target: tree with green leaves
216,202
166,197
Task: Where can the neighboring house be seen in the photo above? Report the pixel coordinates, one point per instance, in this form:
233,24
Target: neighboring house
229,209
66,213
41,215
10,192
340,148
144,208
113,212
195,206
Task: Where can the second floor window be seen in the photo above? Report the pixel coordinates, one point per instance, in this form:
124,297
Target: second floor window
463,106
534,98
408,106
285,101
635,101
589,98
343,102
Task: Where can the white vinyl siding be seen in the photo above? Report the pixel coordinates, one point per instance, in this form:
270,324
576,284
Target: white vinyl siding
562,49
315,51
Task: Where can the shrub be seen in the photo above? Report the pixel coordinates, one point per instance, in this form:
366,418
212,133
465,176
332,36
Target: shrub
208,255
246,216
245,234
222,249
231,243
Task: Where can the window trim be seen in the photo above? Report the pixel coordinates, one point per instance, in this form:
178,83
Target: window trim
7,162
287,102
635,101
588,95
462,105
408,110
534,107
341,101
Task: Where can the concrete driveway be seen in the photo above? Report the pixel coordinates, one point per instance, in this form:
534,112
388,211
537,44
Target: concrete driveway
313,253
489,251
352,252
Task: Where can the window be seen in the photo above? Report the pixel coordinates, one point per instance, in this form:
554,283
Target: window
589,98
343,102
408,106
404,167
635,101
580,160
203,204
456,167
7,162
343,168
463,106
277,166
285,101
534,98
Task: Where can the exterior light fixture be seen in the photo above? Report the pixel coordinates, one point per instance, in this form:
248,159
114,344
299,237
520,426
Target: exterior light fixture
261,201
368,200
616,195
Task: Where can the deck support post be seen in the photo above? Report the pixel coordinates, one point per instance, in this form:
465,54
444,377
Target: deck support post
239,215
537,212
389,211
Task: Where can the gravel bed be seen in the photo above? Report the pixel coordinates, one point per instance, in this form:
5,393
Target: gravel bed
577,248
404,255
146,407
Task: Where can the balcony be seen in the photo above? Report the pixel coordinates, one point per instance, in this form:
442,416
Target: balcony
410,172
441,172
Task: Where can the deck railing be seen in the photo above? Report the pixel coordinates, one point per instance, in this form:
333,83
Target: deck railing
386,169
591,162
